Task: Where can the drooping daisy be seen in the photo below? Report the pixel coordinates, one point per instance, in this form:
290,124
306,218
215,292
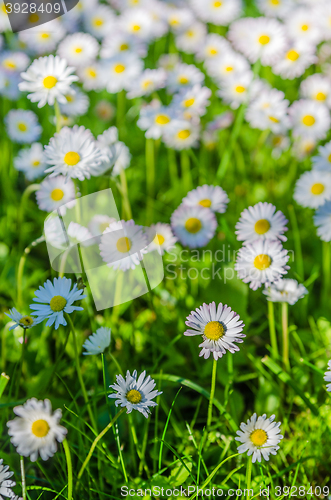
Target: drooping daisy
161,237
73,152
259,437
190,40
120,71
214,46
240,89
23,126
323,160
212,197
302,26
318,88
44,38
322,220
217,12
313,189
137,22
269,111
275,8
184,75
97,342
77,104
286,290
31,161
6,484
156,119
24,321
92,76
309,118
36,430
227,66
135,394
263,262
99,224
295,60
327,377
79,49
193,226
219,328
181,134
261,222
99,20
258,38
55,299
55,192
149,81
119,43
122,157
13,61
118,156
123,245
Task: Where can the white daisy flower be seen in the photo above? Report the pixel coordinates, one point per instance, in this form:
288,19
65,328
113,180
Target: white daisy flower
104,110
313,189
318,88
228,65
322,220
73,152
217,12
286,290
99,224
77,104
309,118
4,19
322,16
261,222
31,161
323,160
120,71
258,38
135,394
301,25
240,89
99,20
156,119
97,342
181,134
79,49
117,153
219,328
48,78
36,430
191,38
7,484
212,197
13,62
120,43
147,83
43,39
24,321
193,226
279,144
137,22
184,75
192,102
161,237
259,437
55,299
9,86
269,111
327,377
92,76
214,46
22,126
303,147
294,60
123,245
79,235
263,262
179,19
276,8
122,158
55,192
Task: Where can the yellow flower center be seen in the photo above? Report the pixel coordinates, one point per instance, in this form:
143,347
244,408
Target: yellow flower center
91,72
262,226
9,64
36,163
57,194
45,36
123,244
78,50
22,127
262,261
229,69
33,18
136,27
305,27
147,84
274,2
49,82
212,51
124,46
119,68
162,119
72,158
217,4
133,396
329,158
183,80
40,428
273,119
190,33
97,21
240,89
189,102
183,134
26,321
214,330
159,239
258,437
205,203
320,96
317,188
193,225
292,55
308,120
57,303
264,39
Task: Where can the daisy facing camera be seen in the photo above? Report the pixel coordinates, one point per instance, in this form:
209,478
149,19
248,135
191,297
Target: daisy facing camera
26,14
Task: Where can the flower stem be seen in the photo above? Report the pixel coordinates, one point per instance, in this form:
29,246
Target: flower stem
150,178
326,270
248,476
21,365
120,111
95,442
79,374
28,191
23,478
212,393
285,335
20,270
272,328
186,170
172,167
58,116
125,196
4,379
69,468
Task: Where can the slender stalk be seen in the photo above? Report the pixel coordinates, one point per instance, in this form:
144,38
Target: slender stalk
272,328
125,196
212,393
297,242
326,270
4,379
20,270
150,178
249,476
223,166
172,167
25,196
186,170
285,335
69,468
58,116
21,365
23,478
120,110
79,374
95,442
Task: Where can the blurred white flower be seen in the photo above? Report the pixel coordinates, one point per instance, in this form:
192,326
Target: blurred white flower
97,342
